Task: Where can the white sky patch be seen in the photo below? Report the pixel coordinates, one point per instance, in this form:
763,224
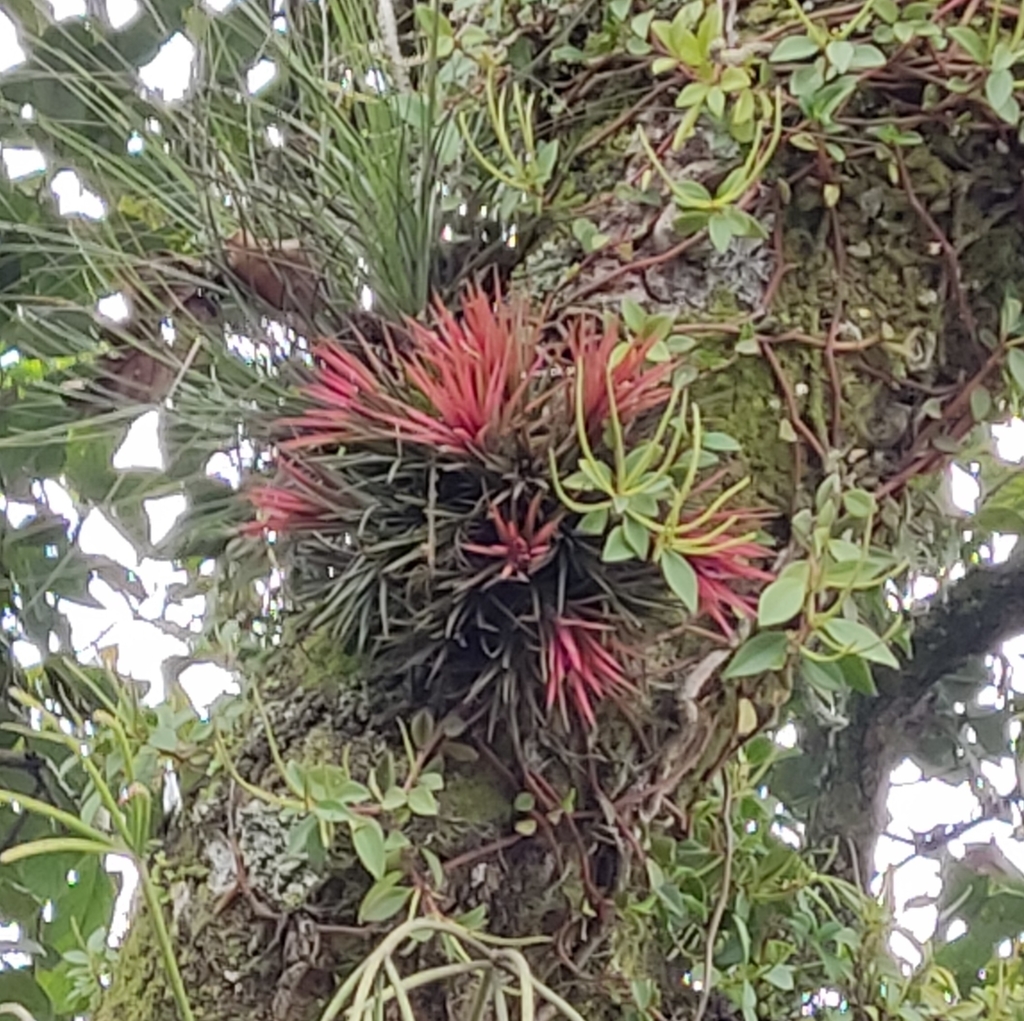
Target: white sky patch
956,929
906,772
11,53
64,9
73,199
118,864
224,466
114,307
786,737
1014,651
141,447
58,499
21,162
203,682
964,487
170,71
1002,775
1010,440
923,587
163,512
921,806
18,513
187,613
260,75
1002,547
99,536
121,12
26,653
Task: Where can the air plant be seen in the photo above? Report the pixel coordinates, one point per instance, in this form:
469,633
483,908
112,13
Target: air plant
581,666
524,549
649,492
443,536
295,503
631,383
458,387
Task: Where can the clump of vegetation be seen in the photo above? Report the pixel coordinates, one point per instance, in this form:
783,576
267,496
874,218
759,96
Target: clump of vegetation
561,398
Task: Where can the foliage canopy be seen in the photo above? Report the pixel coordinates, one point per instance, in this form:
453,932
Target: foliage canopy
591,372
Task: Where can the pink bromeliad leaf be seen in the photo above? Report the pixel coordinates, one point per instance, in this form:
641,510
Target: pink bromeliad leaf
460,383
581,668
637,385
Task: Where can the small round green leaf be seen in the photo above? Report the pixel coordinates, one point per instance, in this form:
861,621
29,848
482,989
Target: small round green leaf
758,655
794,47
859,640
617,547
858,503
681,579
783,599
422,801
999,88
1015,363
384,899
368,841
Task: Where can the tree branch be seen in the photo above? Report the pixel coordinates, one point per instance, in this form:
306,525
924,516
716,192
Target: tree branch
982,610
973,618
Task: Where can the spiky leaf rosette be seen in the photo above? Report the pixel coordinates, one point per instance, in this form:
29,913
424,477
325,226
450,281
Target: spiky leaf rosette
416,497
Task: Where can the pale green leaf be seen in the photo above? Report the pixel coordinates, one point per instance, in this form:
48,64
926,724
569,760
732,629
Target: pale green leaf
384,899
594,522
780,976
368,841
681,578
758,655
969,40
858,503
1015,363
421,801
637,536
617,547
999,88
840,54
784,598
792,48
858,639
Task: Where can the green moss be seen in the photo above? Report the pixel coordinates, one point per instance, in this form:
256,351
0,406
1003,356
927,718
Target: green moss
140,991
476,797
722,303
740,399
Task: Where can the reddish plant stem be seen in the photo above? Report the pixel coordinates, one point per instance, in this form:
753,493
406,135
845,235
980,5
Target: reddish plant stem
794,413
468,857
952,260
833,329
781,266
957,421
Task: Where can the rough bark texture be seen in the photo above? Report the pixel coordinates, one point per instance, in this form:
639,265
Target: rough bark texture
968,620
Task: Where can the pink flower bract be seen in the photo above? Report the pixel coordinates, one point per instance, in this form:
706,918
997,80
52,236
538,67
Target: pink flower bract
580,666
460,383
523,548
637,385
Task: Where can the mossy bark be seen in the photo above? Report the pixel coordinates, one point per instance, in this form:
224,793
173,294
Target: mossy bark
265,934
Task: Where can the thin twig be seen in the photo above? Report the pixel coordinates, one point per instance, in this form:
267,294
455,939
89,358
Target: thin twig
833,330
952,260
468,857
723,899
794,413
